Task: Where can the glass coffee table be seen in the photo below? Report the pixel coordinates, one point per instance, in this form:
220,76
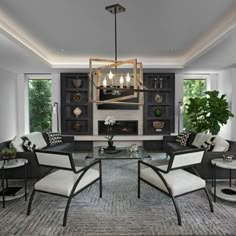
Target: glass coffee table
120,153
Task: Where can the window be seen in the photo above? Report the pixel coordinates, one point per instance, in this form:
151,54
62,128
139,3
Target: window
40,103
192,88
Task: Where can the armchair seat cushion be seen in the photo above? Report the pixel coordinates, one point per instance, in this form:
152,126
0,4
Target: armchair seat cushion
179,181
64,147
62,181
173,146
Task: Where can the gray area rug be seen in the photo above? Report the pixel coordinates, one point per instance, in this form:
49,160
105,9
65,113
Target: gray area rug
119,212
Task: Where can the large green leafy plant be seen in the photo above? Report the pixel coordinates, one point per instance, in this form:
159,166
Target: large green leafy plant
209,113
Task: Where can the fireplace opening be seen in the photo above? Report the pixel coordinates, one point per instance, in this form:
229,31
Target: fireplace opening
121,127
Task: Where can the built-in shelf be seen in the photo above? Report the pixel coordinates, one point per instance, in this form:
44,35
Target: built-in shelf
75,97
159,103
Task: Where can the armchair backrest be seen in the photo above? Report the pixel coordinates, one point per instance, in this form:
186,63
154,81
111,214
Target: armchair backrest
186,158
59,160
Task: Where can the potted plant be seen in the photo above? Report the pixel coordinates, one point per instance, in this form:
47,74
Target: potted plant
207,114
8,153
109,122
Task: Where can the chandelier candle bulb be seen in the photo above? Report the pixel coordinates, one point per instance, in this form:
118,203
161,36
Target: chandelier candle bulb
121,81
110,76
104,82
128,80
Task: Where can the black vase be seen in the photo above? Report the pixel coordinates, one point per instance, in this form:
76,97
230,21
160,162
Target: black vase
110,145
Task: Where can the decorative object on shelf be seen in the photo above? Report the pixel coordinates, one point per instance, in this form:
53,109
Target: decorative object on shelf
111,78
161,84
155,83
228,158
109,122
77,125
158,98
77,112
133,148
8,153
158,112
158,125
77,97
77,83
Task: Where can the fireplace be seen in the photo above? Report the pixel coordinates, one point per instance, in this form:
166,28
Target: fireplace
121,127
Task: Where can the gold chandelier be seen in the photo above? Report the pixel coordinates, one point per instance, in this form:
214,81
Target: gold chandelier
116,81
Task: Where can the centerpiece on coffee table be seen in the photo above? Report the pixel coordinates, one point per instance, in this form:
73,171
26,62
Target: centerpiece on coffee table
109,122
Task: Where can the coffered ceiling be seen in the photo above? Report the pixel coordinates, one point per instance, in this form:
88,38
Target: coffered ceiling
160,33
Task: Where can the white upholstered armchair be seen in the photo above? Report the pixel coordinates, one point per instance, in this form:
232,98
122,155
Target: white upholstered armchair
68,181
172,179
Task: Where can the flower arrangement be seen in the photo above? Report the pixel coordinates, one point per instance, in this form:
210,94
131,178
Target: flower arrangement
109,122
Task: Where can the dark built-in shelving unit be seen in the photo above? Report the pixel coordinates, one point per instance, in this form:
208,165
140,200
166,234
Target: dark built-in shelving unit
161,85
71,98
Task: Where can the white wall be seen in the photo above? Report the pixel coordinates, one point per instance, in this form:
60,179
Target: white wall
226,85
8,105
179,93
56,97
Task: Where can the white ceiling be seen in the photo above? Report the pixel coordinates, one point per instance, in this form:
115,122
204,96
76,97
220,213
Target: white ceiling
161,33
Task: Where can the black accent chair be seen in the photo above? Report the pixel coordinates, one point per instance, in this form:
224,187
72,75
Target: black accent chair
66,182
172,179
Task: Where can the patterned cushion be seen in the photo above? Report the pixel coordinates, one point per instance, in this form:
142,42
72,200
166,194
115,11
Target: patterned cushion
200,139
221,145
28,145
54,138
17,143
209,144
37,139
182,138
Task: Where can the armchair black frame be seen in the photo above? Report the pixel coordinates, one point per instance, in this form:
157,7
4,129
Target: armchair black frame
170,167
71,168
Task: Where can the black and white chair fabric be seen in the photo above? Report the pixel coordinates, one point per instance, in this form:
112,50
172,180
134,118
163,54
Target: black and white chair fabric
172,179
68,181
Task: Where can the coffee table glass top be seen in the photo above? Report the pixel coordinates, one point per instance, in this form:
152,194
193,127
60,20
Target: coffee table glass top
122,153
118,153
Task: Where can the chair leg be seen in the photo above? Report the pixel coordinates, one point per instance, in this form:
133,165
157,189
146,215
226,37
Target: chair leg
177,210
100,179
30,202
66,211
138,187
138,179
209,200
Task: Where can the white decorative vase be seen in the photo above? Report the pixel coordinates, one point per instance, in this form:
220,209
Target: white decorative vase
77,83
77,111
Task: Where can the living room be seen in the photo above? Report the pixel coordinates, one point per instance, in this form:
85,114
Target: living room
174,42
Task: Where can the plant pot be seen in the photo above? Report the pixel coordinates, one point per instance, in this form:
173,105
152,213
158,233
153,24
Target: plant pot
110,146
